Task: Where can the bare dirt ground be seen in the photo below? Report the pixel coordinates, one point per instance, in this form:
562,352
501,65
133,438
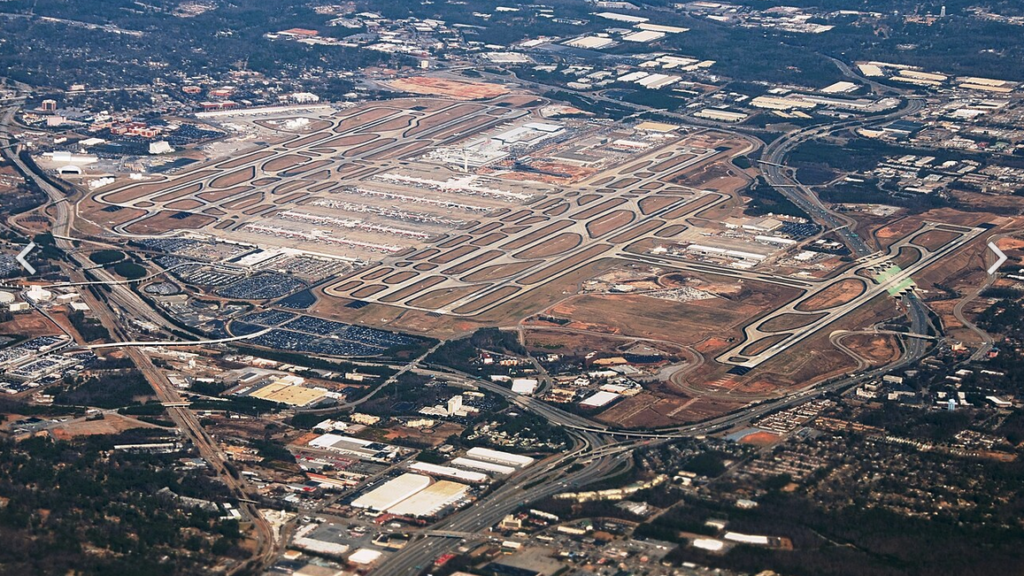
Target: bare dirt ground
30,324
785,322
110,424
760,439
684,323
165,222
876,348
450,88
836,294
609,222
432,436
552,246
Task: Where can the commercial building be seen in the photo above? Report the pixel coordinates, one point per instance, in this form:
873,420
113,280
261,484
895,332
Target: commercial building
490,467
430,501
621,17
365,556
524,385
356,447
709,544
870,70
449,472
778,103
842,87
599,399
662,28
283,392
721,115
644,36
657,127
498,457
392,492
591,42
364,419
746,538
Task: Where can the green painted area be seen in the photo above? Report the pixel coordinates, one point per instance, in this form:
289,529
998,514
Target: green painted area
908,283
887,273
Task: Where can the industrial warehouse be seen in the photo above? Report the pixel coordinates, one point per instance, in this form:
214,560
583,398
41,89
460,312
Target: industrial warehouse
412,495
427,490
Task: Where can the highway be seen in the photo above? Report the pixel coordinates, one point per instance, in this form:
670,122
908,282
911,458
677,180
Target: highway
152,343
597,449
544,479
776,174
958,311
889,283
266,549
597,453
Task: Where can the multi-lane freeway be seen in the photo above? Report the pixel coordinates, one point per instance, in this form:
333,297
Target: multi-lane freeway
186,421
778,175
600,450
600,458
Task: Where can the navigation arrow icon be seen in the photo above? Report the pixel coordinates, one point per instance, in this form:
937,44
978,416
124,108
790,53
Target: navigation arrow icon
24,263
999,253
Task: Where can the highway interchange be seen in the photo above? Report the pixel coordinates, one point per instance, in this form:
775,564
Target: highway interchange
600,450
186,421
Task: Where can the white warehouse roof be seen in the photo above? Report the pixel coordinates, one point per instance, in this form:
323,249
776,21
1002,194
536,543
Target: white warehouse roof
644,36
365,556
708,544
329,440
392,492
746,538
488,455
449,472
621,17
524,385
432,500
599,399
485,466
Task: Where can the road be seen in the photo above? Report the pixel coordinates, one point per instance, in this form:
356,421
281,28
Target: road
266,549
777,174
889,283
596,456
544,479
164,343
958,311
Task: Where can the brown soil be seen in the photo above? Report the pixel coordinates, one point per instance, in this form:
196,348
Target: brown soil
789,321
453,254
413,289
163,222
555,245
400,277
185,205
234,178
481,303
598,209
609,222
186,191
497,272
637,231
285,162
567,264
444,296
473,262
838,293
538,234
254,157
458,90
